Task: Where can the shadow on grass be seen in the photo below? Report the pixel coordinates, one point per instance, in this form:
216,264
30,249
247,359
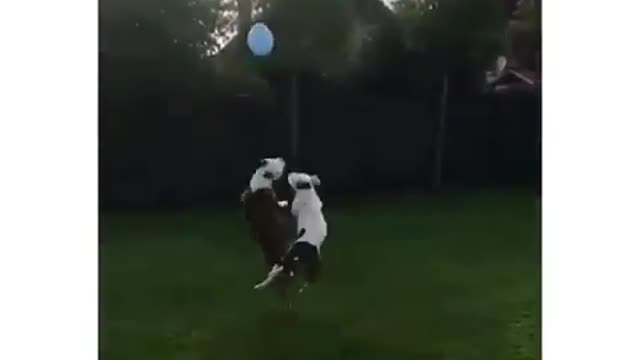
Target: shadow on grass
361,350
287,335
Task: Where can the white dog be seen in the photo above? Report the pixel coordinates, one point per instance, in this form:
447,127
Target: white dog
312,231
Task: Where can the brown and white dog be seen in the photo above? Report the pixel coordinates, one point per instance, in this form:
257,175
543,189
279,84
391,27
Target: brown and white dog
270,220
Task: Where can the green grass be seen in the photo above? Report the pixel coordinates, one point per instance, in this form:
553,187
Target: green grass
407,278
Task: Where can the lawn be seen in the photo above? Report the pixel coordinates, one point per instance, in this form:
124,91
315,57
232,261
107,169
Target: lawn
450,277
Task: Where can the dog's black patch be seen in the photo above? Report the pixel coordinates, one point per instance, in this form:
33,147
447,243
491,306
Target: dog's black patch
303,185
268,175
304,257
301,233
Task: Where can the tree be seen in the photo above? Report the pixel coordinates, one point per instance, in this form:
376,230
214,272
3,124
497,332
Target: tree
197,24
154,76
312,36
454,33
455,37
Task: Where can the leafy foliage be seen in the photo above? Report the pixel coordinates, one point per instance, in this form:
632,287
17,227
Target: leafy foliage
311,34
125,24
453,32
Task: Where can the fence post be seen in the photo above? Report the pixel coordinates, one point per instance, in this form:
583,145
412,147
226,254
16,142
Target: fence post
440,135
293,118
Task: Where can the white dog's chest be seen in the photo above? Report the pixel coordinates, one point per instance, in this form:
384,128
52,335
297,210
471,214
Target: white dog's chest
315,228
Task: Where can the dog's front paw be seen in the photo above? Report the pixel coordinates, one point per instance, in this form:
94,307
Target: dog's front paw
283,203
244,195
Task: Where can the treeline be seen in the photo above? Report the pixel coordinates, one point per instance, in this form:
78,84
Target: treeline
183,124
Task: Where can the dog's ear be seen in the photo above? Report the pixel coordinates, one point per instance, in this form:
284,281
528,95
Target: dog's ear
315,180
262,162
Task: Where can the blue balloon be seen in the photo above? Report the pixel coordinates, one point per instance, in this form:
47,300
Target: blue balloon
260,39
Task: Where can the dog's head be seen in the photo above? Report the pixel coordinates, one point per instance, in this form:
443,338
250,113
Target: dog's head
303,182
306,198
269,170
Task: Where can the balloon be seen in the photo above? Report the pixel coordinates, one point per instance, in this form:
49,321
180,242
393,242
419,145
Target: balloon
260,39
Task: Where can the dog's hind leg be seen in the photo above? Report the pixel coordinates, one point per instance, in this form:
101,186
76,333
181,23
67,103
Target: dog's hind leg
304,286
275,271
282,287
